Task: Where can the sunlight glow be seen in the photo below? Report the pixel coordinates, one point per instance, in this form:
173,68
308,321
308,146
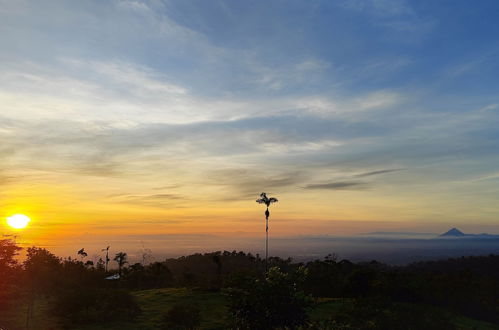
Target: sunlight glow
18,221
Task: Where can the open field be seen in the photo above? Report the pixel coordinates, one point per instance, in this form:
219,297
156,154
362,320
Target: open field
154,303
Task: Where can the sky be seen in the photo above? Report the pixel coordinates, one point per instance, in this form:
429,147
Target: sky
158,123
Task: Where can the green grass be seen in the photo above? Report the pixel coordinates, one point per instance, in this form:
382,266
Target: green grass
154,303
465,323
15,317
325,307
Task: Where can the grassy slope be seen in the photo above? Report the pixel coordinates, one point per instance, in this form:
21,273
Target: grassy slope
326,306
155,303
15,318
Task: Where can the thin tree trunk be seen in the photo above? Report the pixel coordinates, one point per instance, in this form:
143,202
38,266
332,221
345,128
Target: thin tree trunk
266,242
107,259
29,314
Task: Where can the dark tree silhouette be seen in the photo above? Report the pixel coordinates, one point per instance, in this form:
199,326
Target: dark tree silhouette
8,269
42,270
267,201
100,265
82,253
120,258
8,251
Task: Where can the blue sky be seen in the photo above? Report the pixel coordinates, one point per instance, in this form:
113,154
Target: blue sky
382,110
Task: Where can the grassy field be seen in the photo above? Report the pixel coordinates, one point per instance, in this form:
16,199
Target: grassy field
15,318
327,306
154,303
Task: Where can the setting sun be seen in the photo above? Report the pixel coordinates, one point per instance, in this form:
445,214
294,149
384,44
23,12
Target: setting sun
18,221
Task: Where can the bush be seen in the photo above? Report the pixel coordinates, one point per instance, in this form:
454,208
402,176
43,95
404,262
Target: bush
182,316
269,303
380,313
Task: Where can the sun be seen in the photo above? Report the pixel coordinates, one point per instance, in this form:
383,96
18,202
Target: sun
18,221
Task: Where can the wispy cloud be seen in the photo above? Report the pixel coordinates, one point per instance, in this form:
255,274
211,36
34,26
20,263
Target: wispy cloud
343,185
379,172
489,107
289,75
172,201
240,184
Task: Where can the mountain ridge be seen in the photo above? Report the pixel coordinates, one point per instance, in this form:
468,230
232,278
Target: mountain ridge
456,233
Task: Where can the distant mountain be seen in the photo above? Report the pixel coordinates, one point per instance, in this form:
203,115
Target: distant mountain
454,232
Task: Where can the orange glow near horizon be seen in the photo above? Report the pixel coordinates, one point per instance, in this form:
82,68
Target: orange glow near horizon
73,212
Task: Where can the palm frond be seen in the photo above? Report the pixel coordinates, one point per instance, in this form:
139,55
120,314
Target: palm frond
82,253
266,200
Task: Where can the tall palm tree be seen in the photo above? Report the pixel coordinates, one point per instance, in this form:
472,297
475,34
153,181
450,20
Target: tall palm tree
267,201
120,258
107,256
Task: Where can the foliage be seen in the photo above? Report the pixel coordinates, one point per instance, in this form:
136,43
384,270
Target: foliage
77,292
8,270
121,259
42,270
8,251
324,278
268,303
266,200
380,313
213,312
360,282
155,275
182,316
154,303
466,285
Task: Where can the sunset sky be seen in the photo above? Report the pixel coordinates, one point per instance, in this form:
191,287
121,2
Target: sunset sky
158,123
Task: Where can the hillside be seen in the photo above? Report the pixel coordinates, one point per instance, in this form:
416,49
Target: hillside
154,303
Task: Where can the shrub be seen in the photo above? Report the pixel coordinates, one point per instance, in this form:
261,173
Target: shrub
269,303
381,313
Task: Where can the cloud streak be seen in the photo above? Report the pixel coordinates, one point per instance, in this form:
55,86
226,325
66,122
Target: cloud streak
378,172
344,185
